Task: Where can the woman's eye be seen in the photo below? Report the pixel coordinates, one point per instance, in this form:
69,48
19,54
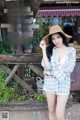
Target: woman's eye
52,38
58,36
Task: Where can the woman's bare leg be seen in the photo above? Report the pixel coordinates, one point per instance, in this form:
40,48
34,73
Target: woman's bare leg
60,106
51,100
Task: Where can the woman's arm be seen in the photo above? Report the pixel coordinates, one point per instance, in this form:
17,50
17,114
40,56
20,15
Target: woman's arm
45,61
61,73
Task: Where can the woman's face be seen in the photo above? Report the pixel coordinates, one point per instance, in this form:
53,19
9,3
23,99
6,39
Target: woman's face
57,40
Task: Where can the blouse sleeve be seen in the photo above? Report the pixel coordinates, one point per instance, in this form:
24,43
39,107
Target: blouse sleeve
61,73
46,67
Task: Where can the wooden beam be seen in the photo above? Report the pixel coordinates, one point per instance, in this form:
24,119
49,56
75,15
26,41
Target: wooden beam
34,4
32,58
18,79
21,59
36,70
9,78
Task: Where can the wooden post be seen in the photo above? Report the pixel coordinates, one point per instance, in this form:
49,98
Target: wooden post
11,74
19,80
36,70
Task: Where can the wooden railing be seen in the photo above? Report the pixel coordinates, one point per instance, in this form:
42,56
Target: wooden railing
30,58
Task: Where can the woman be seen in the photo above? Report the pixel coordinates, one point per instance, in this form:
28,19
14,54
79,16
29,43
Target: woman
58,62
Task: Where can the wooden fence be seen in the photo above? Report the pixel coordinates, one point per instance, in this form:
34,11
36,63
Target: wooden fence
31,61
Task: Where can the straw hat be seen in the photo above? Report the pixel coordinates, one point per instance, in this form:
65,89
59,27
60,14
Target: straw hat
56,29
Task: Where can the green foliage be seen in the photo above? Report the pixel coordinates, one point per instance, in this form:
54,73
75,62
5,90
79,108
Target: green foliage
39,33
3,75
37,96
37,36
5,46
40,96
40,21
5,91
8,93
15,92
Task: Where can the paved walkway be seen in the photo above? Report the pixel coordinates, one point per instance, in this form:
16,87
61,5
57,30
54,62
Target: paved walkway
73,113
22,113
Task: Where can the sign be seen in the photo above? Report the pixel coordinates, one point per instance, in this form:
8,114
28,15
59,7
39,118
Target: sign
4,115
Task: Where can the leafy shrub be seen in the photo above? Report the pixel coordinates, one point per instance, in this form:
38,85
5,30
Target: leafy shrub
5,46
14,91
9,93
40,96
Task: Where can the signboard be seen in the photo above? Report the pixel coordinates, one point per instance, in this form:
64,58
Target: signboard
4,115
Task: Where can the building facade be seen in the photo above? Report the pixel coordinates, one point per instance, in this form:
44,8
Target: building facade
65,14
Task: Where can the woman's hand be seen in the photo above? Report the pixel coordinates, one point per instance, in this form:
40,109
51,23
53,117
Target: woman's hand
42,45
46,72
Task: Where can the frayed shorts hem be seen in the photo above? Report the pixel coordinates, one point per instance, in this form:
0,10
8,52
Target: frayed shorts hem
56,93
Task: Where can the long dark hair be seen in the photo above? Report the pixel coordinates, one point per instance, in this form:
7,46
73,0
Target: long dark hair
50,46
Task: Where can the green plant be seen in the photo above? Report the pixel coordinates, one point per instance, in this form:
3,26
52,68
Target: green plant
40,96
37,96
36,37
39,34
9,93
14,91
5,46
5,91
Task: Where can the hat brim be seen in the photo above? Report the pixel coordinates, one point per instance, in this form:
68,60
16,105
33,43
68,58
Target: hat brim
46,38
